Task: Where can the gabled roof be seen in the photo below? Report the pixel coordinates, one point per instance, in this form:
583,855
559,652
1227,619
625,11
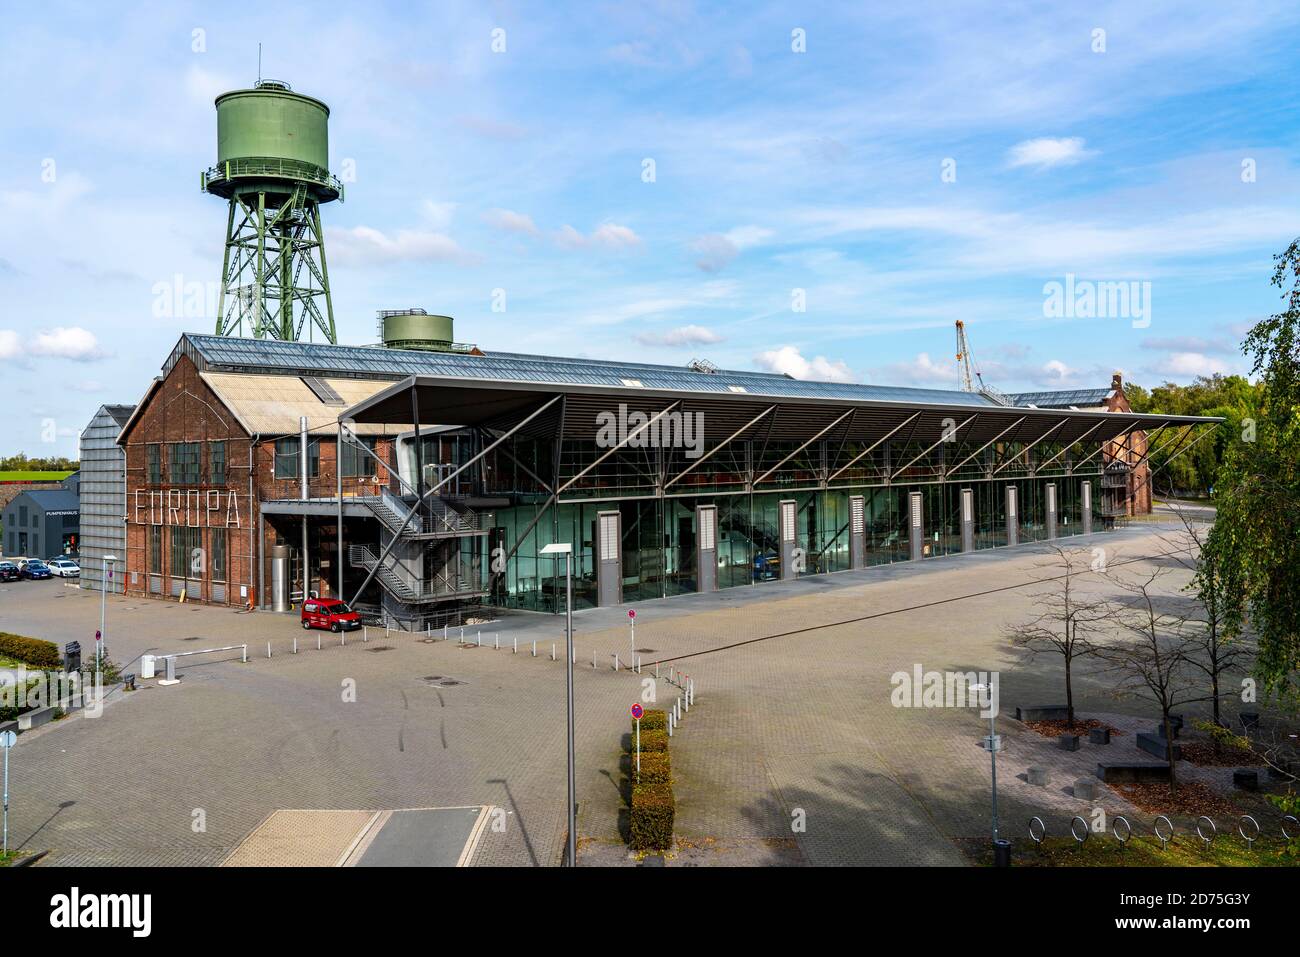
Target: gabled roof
53,499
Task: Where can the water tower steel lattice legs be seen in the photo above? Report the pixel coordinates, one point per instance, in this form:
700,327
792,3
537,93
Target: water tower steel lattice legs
274,275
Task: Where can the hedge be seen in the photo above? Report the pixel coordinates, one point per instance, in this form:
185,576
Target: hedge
653,810
656,768
31,651
651,741
652,721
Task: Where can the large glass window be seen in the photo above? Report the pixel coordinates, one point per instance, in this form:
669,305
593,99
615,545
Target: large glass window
155,549
217,463
218,557
187,552
355,461
183,463
153,460
286,458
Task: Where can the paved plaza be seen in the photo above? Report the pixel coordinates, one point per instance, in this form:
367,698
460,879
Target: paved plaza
792,753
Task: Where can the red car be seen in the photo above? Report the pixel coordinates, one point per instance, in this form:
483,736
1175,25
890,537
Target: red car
329,613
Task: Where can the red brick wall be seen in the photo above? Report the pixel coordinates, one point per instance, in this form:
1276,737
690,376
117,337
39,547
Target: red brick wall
185,409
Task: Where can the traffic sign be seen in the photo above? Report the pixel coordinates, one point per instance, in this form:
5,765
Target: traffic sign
631,613
637,712
8,739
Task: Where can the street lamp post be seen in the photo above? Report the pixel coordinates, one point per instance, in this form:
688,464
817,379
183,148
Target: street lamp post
556,550
993,744
103,607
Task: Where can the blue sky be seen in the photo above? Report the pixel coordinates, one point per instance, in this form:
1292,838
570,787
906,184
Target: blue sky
1169,157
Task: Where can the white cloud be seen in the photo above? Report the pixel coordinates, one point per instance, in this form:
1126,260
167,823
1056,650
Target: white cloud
681,336
787,360
66,342
511,221
365,245
717,250
921,371
61,342
1189,364
439,215
608,235
11,346
1047,152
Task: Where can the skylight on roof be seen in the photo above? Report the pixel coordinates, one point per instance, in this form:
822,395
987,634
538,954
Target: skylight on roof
632,383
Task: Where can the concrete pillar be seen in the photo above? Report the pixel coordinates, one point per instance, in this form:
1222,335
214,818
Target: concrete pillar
857,531
609,559
1086,493
1013,522
915,524
967,520
788,510
1051,510
706,548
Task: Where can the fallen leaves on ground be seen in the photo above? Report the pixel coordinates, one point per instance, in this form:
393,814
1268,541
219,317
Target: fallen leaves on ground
1190,798
1054,729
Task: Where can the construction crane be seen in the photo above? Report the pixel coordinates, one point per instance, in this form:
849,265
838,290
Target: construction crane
968,372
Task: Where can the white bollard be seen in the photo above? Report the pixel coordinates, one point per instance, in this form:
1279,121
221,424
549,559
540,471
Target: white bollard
515,649
534,647
268,649
480,638
670,724
656,670
496,641
616,661
552,651
245,656
295,644
318,641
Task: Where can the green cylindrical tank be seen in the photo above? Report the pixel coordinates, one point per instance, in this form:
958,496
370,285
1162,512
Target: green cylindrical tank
270,137
271,121
415,329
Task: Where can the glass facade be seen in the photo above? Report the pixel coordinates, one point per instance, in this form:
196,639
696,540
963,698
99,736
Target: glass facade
659,535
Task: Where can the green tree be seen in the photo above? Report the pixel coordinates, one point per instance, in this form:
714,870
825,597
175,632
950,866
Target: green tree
1256,537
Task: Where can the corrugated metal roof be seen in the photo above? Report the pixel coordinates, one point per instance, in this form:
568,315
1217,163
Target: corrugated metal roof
220,353
1062,399
273,404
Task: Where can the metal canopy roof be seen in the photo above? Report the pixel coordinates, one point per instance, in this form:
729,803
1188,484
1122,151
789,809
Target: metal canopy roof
500,405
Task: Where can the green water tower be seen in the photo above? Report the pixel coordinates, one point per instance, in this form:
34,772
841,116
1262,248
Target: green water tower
273,171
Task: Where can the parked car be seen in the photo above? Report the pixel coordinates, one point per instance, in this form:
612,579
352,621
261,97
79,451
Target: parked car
329,613
35,569
65,568
9,572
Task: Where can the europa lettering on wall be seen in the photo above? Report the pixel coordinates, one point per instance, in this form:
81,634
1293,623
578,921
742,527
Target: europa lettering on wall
192,508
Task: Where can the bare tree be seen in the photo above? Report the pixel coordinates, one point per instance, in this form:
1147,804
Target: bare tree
1067,617
1149,658
1216,645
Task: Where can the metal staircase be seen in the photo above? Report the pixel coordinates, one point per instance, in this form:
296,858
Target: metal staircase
440,521
445,584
